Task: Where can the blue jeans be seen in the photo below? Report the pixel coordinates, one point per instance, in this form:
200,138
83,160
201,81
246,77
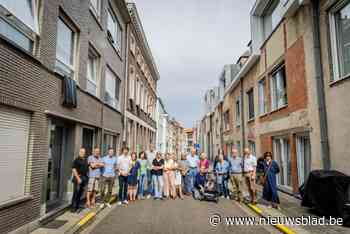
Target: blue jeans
223,188
141,189
158,185
190,177
150,184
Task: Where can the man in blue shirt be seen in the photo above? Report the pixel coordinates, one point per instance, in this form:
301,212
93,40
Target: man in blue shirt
95,165
108,176
192,163
236,174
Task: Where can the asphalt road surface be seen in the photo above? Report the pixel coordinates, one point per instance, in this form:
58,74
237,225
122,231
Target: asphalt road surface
179,216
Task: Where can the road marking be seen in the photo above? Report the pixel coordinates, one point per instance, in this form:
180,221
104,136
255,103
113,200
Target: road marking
86,219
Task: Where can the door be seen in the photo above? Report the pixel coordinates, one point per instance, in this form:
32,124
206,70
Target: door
303,158
55,166
88,140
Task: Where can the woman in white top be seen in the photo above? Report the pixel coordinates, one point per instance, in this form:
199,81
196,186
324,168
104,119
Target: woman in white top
178,178
169,177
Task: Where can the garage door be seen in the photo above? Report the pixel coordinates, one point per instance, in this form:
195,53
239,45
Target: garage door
14,127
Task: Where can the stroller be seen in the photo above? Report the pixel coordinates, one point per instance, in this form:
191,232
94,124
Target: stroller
209,192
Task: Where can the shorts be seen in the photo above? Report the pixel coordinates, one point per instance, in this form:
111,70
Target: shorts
178,178
94,184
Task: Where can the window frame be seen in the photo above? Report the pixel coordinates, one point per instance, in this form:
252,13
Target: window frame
116,97
71,67
251,116
20,27
274,89
117,41
262,86
92,53
97,11
334,41
238,112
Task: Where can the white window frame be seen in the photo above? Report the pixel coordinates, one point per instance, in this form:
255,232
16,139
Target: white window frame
96,63
115,100
334,41
304,163
282,160
115,36
96,9
262,98
276,89
59,60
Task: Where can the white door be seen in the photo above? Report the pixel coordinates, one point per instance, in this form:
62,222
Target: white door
14,131
303,158
281,150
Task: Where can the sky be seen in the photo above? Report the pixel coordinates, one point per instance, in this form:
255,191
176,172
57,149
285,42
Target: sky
191,41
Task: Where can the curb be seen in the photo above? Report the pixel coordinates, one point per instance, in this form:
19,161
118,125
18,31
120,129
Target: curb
284,229
88,217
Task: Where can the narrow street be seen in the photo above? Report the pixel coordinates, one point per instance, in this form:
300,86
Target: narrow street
178,216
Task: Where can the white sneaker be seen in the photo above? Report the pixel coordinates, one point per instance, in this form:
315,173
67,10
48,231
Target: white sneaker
119,203
125,202
148,196
108,205
102,206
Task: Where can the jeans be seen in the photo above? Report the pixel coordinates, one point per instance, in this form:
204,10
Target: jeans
78,191
190,177
223,188
158,185
141,189
107,182
123,188
150,185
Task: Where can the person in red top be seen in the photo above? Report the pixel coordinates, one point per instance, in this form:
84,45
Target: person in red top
204,162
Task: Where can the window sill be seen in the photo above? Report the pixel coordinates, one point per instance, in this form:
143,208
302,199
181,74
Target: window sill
251,120
96,17
15,201
263,115
112,108
339,81
278,109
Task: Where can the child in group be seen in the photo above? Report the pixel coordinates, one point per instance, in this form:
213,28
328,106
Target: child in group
142,174
133,176
178,178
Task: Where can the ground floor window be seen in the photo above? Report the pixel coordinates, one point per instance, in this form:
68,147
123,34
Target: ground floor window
281,148
88,140
303,157
14,132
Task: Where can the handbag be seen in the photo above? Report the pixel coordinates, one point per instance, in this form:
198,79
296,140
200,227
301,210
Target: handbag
263,178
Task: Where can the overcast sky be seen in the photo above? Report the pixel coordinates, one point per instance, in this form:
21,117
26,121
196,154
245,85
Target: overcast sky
191,40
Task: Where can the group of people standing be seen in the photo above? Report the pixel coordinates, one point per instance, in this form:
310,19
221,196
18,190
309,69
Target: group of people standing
151,174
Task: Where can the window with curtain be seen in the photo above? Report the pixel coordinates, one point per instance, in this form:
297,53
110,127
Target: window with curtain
262,100
279,97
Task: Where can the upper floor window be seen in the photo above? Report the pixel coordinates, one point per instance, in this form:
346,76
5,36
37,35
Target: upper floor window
132,83
238,112
112,89
114,30
279,89
272,17
96,6
92,72
262,99
65,49
19,21
250,95
340,35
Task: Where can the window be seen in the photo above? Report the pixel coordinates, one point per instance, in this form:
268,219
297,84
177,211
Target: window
96,6
262,101
110,141
25,12
282,153
252,147
132,83
114,30
112,89
64,49
272,17
303,157
340,36
14,134
92,72
227,121
137,91
279,89
88,141
238,112
250,95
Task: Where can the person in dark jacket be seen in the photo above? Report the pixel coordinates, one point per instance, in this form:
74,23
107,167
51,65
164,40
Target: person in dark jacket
270,185
199,184
80,171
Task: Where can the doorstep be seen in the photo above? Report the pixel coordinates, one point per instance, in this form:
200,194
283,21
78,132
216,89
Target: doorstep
291,207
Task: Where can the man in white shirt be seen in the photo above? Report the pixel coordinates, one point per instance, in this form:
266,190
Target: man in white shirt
193,163
151,155
249,171
124,166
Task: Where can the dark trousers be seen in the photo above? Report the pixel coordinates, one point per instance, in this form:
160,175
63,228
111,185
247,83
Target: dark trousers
123,188
78,191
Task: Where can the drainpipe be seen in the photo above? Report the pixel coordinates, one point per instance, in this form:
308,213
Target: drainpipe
320,85
243,145
126,72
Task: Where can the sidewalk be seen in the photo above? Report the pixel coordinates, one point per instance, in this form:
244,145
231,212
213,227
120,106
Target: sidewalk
290,207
